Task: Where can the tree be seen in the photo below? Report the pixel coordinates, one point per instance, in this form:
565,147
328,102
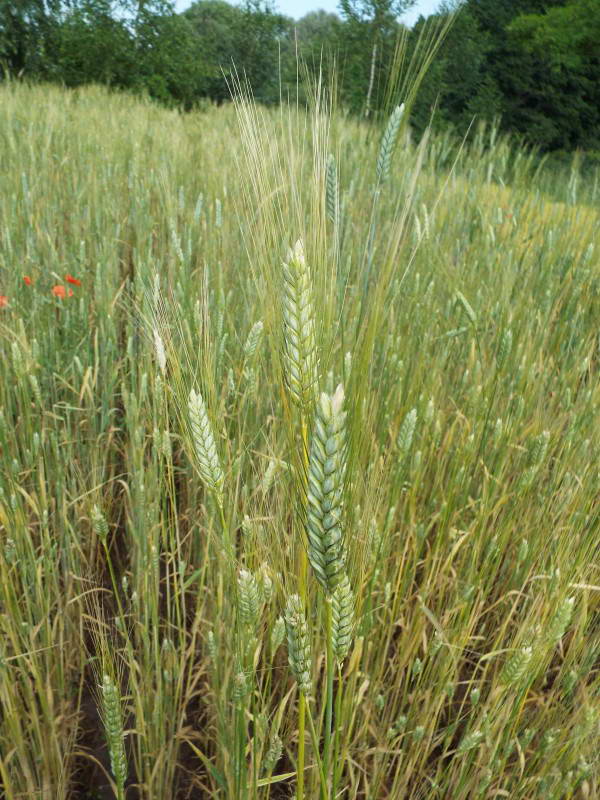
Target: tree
567,37
458,84
240,40
318,35
216,25
565,40
28,31
519,75
94,46
313,49
371,32
168,63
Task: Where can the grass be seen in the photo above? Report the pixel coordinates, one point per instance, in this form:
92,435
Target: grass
176,606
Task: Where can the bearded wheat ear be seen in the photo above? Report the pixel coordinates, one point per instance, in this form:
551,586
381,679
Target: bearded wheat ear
388,144
299,338
332,194
298,643
342,613
205,449
326,467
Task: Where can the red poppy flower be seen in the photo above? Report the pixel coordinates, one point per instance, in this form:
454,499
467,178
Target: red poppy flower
71,292
27,280
59,291
71,279
3,300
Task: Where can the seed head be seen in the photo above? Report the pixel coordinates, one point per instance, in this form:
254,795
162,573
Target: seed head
205,449
326,470
298,643
300,360
342,613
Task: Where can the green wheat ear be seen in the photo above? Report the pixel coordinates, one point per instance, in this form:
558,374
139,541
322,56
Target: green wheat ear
332,193
113,725
205,449
516,667
326,468
298,643
388,143
299,339
342,615
248,598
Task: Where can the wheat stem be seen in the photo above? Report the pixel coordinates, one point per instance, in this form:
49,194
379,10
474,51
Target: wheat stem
315,743
329,692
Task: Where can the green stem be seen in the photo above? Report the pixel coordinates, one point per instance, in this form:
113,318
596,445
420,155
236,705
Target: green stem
254,751
228,556
241,789
337,766
225,530
301,736
113,579
315,744
303,566
329,701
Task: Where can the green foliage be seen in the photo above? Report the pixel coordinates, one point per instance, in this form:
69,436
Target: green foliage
94,47
240,41
369,39
565,36
564,41
167,62
217,27
532,64
28,30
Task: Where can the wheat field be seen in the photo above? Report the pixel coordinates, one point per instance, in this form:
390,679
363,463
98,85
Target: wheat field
298,458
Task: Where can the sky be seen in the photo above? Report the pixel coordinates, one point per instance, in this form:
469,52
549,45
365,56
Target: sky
298,8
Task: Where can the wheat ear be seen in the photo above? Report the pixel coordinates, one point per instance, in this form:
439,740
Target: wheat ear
388,143
299,339
298,643
342,613
205,449
332,193
113,725
325,491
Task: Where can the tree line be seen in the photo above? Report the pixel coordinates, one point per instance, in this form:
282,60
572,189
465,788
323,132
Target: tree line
532,64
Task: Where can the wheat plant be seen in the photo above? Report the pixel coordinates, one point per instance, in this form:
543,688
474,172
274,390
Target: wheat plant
387,591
